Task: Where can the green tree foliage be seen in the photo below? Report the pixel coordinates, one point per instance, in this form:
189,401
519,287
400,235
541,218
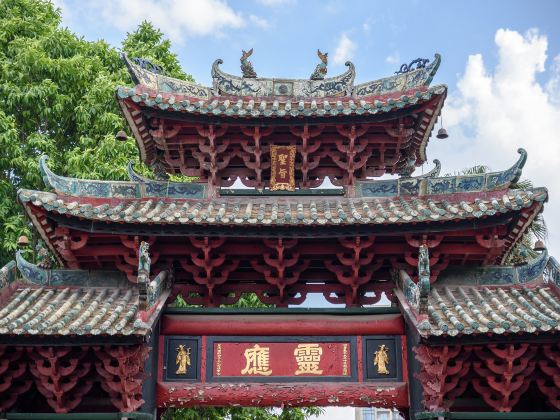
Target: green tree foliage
241,413
57,97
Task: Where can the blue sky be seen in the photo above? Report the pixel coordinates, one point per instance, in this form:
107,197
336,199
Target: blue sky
501,60
286,33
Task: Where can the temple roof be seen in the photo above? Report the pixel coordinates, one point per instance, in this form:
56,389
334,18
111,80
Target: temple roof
53,310
426,198
147,207
38,301
286,211
486,300
145,73
394,116
498,310
282,107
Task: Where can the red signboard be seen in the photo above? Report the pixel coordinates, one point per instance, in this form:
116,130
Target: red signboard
282,170
298,359
276,359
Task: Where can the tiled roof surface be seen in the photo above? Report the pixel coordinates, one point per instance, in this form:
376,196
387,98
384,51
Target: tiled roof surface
286,211
498,310
279,106
71,311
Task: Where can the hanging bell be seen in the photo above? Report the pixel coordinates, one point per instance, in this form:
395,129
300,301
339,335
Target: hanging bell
121,136
442,133
23,241
539,246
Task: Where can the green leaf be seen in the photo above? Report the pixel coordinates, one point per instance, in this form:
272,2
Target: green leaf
57,97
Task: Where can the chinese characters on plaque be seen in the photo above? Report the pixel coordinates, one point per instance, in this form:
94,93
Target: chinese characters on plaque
258,361
281,359
282,168
278,359
308,357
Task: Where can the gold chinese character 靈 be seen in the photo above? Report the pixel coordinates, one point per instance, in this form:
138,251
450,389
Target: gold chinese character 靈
183,359
308,357
283,159
258,361
381,360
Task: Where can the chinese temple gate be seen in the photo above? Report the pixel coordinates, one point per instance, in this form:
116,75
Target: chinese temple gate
436,321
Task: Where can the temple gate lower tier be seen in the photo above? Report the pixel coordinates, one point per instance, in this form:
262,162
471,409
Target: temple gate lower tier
298,357
442,304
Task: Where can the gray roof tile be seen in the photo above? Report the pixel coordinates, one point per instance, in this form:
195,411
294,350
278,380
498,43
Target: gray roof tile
295,210
454,310
49,310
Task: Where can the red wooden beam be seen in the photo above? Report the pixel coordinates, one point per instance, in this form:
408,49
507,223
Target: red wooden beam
278,325
180,394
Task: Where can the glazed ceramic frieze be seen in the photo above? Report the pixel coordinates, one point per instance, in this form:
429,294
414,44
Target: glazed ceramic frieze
138,187
432,184
34,274
228,84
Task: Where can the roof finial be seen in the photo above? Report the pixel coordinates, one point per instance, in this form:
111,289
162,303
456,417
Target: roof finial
246,65
44,259
420,63
321,69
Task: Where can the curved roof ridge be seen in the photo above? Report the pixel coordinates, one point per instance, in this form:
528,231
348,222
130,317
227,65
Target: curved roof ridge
496,275
432,184
137,187
164,83
40,276
227,84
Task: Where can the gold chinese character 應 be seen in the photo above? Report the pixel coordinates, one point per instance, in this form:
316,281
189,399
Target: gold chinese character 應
183,359
258,359
308,357
283,159
381,360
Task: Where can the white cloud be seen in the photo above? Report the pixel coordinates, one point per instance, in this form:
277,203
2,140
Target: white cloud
495,111
553,85
344,50
366,26
394,58
259,21
176,18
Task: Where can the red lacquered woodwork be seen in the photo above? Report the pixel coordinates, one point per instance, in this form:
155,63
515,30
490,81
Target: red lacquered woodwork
279,325
179,394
